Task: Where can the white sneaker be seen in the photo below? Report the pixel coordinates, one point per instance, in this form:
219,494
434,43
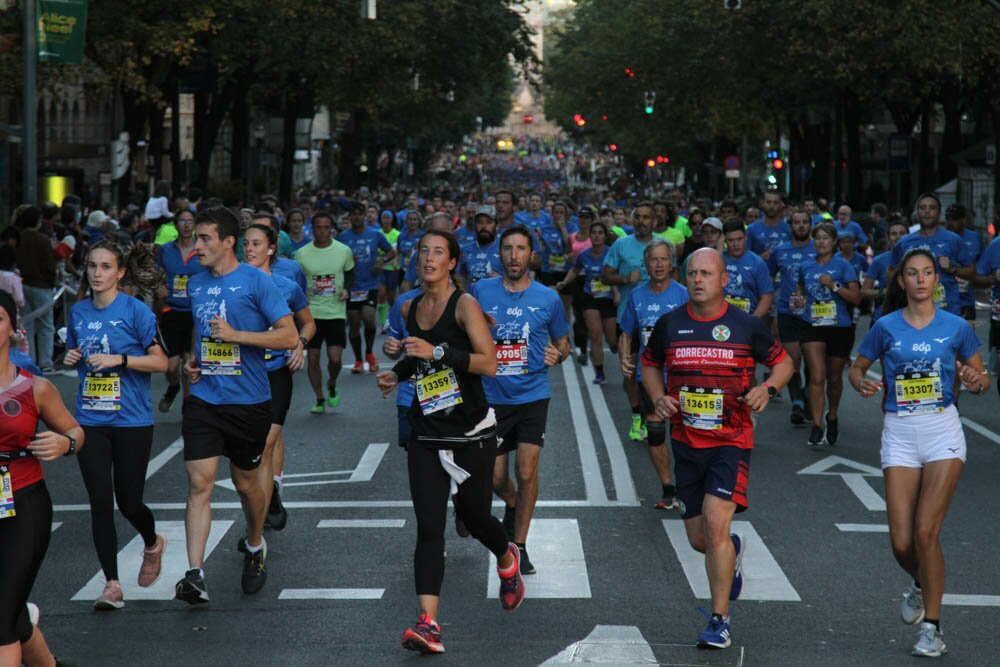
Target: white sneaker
930,642
912,607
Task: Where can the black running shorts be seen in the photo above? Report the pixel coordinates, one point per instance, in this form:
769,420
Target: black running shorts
521,423
238,432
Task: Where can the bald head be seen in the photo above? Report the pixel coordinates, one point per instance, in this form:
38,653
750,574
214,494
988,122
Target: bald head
709,256
706,278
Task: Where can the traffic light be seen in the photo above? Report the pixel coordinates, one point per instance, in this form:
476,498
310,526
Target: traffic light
778,164
650,98
662,159
650,163
629,72
613,147
579,120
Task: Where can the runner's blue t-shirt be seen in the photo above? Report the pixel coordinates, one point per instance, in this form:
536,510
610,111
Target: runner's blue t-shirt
786,260
525,218
178,270
749,280
942,243
396,328
289,268
824,308
480,262
879,273
858,261
974,247
853,227
465,235
644,308
987,265
526,322
115,396
364,246
763,237
306,240
549,241
406,244
248,300
918,365
296,300
625,256
592,268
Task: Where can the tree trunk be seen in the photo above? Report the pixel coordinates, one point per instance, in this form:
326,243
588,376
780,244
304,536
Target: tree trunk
209,112
240,117
287,150
175,141
951,141
852,129
157,115
351,143
924,178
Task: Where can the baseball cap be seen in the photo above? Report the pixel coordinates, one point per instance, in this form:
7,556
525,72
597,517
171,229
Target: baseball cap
487,210
712,222
955,212
587,210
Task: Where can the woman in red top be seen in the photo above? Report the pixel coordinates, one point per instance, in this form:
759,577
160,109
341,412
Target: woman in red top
25,506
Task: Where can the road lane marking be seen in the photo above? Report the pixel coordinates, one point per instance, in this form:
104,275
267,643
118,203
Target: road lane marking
340,504
763,578
593,481
175,564
556,550
868,496
971,600
331,594
855,479
862,527
363,472
620,473
56,524
161,459
609,644
361,523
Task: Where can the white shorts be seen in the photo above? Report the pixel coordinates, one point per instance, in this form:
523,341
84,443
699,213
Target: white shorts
912,442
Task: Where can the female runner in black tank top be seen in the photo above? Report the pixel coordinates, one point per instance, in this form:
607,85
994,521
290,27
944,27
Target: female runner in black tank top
449,348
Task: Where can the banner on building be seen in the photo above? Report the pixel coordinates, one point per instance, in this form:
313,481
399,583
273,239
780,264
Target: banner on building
62,27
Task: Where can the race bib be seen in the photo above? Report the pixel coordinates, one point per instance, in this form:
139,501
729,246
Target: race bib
701,408
557,263
940,300
359,296
324,285
995,314
218,358
179,289
597,287
102,391
512,356
919,393
6,494
646,333
740,302
437,391
823,313
963,285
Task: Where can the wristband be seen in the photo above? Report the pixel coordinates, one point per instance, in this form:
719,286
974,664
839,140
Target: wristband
124,361
456,358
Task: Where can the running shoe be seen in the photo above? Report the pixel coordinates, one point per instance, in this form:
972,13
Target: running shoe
149,571
277,515
191,588
582,358
511,583
372,363
424,636
912,607
111,598
460,527
334,400
635,431
319,408
740,544
930,642
599,378
798,417
667,503
359,367
167,401
241,545
816,437
526,565
831,430
717,634
254,570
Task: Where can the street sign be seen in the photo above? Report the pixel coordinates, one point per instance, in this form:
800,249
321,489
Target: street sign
732,173
732,162
61,31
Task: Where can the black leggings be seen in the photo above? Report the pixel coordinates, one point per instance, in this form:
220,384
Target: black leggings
24,539
580,334
113,465
429,489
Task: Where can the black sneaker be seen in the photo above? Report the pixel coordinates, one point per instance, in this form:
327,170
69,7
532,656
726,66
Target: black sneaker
831,430
241,546
582,359
191,588
508,522
168,398
277,515
526,566
254,570
460,527
798,417
816,437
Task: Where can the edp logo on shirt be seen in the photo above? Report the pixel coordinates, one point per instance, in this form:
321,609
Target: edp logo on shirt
921,347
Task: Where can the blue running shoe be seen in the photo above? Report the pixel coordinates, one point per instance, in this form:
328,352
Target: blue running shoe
740,544
718,634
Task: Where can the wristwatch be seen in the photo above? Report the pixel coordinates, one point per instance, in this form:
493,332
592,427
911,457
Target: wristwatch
838,286
771,391
304,341
438,353
72,445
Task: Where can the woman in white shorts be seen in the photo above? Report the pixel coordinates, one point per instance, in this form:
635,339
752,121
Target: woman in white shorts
924,353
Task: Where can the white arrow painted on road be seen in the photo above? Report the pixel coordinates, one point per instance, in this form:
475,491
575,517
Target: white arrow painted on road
363,472
854,477
608,644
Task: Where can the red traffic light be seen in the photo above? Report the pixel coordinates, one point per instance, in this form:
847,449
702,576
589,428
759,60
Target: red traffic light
778,163
579,120
528,118
629,72
662,159
613,147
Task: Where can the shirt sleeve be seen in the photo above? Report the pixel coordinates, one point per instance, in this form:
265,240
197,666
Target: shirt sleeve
269,299
968,342
987,263
611,258
871,347
656,348
848,272
298,300
411,270
558,326
629,323
766,350
383,243
862,237
349,262
396,328
300,276
144,322
763,277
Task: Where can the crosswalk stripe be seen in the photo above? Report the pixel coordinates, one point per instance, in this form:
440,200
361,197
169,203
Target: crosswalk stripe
763,578
593,480
175,564
556,550
331,594
361,523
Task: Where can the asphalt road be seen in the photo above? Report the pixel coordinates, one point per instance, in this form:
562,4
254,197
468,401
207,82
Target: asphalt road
616,582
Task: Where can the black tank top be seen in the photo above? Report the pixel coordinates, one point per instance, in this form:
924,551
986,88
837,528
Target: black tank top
447,402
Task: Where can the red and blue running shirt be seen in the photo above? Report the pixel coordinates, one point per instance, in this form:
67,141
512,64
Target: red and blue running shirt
710,365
